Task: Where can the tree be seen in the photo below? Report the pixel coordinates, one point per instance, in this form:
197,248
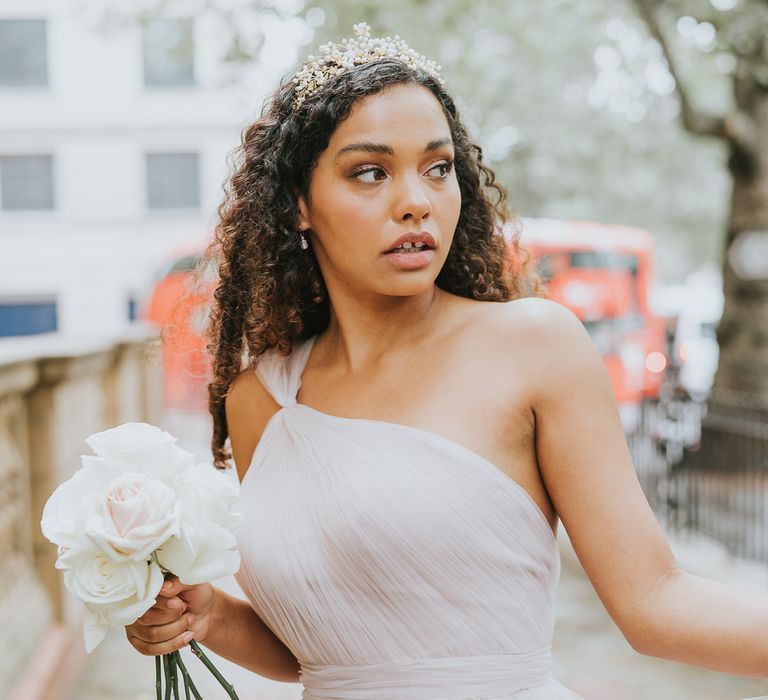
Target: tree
740,34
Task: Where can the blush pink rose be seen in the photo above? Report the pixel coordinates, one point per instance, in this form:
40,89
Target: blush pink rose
136,514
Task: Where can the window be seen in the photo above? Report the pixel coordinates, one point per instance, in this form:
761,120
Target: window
606,259
27,315
169,53
172,181
26,183
23,53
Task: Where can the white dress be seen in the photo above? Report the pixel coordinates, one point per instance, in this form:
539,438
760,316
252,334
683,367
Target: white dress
394,563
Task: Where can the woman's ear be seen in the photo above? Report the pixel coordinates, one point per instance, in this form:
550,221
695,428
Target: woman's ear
304,221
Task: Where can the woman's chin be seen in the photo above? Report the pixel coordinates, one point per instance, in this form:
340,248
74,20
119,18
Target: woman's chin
414,286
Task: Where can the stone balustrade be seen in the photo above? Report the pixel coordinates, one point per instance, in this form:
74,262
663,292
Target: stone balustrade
54,392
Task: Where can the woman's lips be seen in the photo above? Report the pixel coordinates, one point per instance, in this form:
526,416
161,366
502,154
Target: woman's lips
414,237
409,261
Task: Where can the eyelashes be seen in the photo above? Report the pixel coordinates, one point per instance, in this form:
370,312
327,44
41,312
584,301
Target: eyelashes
366,171
446,165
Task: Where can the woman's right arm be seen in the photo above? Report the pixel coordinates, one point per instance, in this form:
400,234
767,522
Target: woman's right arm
238,634
228,626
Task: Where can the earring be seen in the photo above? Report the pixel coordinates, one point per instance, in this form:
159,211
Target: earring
304,243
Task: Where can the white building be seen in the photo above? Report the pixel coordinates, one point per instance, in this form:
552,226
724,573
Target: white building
113,143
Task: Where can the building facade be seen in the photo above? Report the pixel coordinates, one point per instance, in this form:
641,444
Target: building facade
114,137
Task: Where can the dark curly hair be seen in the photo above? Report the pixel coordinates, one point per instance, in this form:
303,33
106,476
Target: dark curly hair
270,292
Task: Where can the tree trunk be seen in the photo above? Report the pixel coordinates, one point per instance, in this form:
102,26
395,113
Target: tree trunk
743,331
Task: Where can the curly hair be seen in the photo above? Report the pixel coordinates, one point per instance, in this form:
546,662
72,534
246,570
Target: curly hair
270,292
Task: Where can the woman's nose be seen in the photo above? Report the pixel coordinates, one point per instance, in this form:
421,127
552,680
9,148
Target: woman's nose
412,200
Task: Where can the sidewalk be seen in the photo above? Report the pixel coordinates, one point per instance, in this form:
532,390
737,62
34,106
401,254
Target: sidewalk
593,658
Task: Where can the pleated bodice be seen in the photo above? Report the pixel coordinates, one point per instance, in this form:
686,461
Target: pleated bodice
393,562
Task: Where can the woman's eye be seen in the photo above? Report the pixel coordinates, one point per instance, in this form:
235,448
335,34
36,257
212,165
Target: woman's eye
371,172
445,167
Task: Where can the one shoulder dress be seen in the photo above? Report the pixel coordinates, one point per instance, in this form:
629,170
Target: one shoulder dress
394,563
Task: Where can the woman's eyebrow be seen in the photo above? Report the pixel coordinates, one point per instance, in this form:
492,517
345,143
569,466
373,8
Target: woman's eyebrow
368,147
438,143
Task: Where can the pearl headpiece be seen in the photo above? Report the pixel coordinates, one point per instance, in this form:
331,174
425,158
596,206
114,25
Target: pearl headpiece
338,58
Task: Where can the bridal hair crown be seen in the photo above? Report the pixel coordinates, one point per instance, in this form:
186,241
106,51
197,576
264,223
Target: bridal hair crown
339,58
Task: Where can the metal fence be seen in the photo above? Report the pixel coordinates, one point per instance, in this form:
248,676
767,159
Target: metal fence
704,469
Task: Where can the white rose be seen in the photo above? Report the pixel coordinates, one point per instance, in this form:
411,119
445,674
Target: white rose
139,447
113,443
205,549
202,552
130,447
209,493
136,514
65,512
114,593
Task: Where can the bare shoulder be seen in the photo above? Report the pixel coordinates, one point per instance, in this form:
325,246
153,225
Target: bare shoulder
542,317
539,329
537,351
248,406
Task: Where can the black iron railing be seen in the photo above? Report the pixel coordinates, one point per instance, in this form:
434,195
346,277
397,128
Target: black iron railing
704,469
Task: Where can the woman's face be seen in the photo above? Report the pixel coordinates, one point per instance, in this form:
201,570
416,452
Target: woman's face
387,173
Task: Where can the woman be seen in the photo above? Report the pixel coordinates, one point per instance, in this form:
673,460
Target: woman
410,427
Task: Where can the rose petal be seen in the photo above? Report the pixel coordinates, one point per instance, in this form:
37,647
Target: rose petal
203,552
94,630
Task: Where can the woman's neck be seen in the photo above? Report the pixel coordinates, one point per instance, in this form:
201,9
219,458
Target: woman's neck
361,333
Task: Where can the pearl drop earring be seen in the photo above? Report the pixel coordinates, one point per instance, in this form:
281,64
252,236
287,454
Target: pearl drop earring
304,243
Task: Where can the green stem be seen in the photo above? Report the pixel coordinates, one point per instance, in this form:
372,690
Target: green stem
167,669
188,684
158,680
198,652
174,675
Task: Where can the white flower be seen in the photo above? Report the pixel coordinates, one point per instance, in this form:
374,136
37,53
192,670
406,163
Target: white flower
115,442
135,515
114,593
205,549
209,493
139,508
139,447
66,510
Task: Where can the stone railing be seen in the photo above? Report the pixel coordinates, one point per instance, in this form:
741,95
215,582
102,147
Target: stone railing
54,392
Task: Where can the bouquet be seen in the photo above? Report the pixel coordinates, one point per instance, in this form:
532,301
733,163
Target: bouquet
138,511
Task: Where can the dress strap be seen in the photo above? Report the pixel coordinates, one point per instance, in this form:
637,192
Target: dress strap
281,374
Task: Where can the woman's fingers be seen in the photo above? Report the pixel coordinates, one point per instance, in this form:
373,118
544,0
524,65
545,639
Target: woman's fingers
148,649
165,626
164,610
155,640
176,604
159,616
172,587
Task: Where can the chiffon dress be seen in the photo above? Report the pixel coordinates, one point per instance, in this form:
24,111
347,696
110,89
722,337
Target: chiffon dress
393,562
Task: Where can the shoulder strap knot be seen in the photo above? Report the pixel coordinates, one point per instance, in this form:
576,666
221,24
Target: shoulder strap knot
281,374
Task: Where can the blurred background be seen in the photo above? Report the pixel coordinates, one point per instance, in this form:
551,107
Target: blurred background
633,138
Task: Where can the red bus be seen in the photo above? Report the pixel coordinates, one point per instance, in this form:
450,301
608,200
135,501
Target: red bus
179,306
604,274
